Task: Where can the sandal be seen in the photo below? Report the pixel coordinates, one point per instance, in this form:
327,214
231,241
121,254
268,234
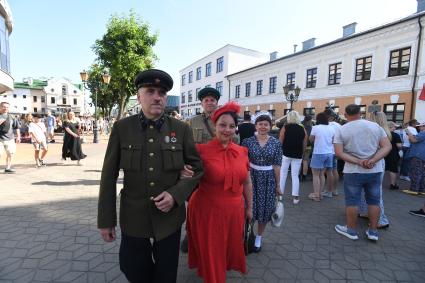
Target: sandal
312,196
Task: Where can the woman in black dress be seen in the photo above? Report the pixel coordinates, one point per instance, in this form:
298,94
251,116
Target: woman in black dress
72,143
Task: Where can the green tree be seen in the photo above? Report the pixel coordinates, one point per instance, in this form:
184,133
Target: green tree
125,49
106,97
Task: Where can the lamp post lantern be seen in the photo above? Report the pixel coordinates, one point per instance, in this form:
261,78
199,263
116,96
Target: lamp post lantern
291,95
106,79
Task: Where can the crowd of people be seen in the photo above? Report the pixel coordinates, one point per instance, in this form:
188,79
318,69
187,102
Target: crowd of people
218,175
223,175
40,131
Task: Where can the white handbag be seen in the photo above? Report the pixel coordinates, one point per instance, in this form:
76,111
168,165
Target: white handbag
279,213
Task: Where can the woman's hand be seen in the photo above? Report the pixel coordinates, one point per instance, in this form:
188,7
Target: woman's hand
186,172
248,214
278,191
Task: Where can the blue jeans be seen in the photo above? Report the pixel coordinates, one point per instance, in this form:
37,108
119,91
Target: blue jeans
383,220
356,183
404,169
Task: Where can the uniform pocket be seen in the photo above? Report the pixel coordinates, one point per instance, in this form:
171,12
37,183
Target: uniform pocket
130,157
197,135
172,157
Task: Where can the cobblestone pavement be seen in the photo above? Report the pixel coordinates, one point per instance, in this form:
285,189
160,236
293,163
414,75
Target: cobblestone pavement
48,233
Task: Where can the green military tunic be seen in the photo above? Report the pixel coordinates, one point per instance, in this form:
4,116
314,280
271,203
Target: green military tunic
200,131
151,161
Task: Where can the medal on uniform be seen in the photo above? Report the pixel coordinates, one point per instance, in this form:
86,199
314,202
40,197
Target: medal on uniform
167,139
173,137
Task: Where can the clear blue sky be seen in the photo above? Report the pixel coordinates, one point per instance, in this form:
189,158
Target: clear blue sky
53,38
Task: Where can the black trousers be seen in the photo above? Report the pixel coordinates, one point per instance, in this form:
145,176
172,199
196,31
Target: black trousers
144,262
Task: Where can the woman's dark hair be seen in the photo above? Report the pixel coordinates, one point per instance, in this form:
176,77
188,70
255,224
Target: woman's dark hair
233,114
322,119
263,118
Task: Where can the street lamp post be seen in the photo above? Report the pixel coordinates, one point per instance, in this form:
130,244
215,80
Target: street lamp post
106,79
291,95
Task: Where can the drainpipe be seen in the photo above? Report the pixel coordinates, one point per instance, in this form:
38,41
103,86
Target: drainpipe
412,106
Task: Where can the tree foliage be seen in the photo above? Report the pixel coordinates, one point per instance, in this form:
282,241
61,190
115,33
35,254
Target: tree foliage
125,49
106,97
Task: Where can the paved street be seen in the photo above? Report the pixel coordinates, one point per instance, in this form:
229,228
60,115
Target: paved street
48,233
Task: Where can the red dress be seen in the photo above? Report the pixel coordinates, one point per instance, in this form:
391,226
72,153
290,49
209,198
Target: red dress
216,213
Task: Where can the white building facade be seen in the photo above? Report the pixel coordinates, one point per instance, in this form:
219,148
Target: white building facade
385,64
212,71
58,95
6,27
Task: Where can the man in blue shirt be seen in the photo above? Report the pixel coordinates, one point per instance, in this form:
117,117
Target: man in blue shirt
50,125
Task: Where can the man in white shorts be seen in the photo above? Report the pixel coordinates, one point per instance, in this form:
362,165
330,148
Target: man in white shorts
7,136
37,130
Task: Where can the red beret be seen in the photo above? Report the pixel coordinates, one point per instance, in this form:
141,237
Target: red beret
228,107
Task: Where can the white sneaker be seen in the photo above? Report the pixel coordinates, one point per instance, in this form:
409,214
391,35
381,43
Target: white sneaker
296,201
327,194
343,230
406,178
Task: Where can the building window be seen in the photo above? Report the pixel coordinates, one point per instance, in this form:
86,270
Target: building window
190,77
395,112
34,98
272,85
335,74
220,62
197,111
363,111
399,62
309,111
189,96
189,112
311,78
25,109
63,100
64,90
247,89
183,79
43,99
363,68
273,114
52,100
75,101
219,87
43,110
24,96
208,69
197,90
247,113
35,109
290,80
237,91
259,87
14,95
183,98
198,73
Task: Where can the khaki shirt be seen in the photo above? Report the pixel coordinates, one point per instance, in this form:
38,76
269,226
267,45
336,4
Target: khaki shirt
151,161
199,129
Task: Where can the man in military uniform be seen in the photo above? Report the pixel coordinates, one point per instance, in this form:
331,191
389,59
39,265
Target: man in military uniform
202,127
151,148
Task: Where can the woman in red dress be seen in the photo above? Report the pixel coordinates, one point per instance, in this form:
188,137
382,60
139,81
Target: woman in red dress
218,208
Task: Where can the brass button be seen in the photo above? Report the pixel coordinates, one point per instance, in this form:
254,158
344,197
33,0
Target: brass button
150,140
150,169
151,184
173,147
129,146
150,127
151,154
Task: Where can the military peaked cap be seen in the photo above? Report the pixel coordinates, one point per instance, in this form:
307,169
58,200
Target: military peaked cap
154,77
209,91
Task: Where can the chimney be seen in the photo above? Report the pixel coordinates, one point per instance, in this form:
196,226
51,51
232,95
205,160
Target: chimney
273,55
295,48
309,43
349,29
421,6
